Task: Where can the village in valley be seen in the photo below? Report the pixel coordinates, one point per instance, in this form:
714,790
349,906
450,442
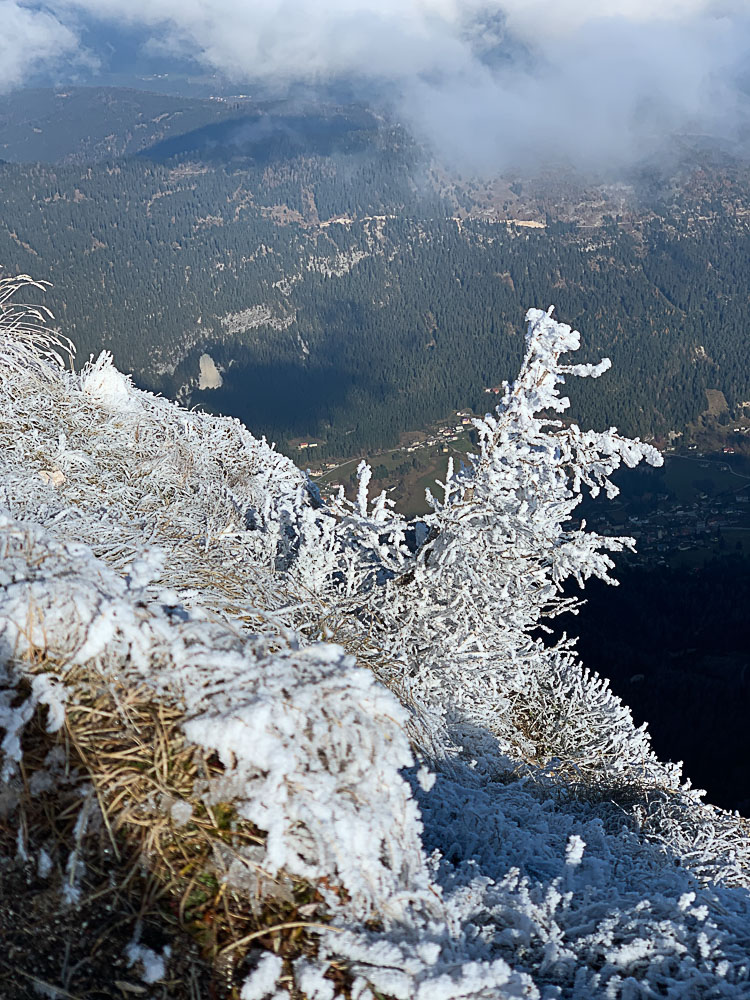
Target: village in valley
693,509
405,471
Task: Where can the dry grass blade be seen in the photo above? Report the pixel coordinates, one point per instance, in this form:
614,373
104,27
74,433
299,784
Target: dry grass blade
289,925
52,991
24,335
138,762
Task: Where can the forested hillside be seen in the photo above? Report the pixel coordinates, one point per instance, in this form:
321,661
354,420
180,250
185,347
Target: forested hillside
84,124
349,291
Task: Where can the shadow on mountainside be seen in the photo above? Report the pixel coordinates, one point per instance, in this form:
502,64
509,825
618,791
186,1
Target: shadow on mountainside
675,645
272,134
285,400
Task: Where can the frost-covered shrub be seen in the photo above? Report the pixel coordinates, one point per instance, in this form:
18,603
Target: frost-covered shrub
457,622
478,811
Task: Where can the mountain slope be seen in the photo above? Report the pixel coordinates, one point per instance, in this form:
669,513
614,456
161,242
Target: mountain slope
343,301
472,813
88,124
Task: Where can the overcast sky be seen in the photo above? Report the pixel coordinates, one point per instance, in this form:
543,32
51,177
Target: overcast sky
499,82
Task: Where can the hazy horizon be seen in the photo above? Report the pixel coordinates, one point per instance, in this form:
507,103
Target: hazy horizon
492,85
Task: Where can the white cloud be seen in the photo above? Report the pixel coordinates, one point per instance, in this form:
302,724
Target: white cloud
500,80
31,40
295,38
608,93
303,37
545,18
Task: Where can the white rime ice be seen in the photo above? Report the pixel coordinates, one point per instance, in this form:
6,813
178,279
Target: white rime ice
152,964
479,811
261,984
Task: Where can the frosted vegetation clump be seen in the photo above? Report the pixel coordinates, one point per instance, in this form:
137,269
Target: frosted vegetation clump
478,812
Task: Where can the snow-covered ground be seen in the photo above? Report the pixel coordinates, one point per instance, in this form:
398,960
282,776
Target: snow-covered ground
478,811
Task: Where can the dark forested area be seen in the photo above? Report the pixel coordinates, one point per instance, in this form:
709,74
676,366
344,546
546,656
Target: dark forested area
676,646
86,124
344,296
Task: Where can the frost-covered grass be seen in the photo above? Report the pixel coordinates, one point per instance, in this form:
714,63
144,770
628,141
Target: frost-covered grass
350,721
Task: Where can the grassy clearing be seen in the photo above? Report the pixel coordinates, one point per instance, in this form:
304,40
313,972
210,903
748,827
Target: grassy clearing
716,402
